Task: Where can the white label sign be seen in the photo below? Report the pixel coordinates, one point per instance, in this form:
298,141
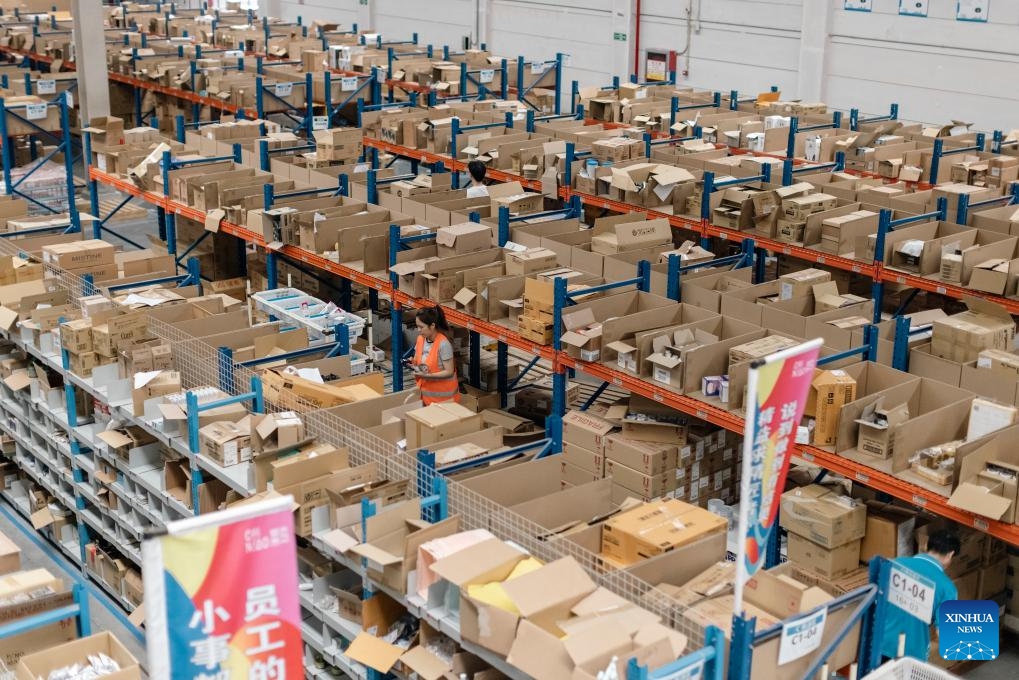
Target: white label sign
46,86
70,99
320,123
283,89
348,84
912,593
538,68
801,636
35,111
487,75
233,54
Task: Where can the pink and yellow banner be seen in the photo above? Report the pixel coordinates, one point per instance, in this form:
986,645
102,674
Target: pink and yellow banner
221,596
777,388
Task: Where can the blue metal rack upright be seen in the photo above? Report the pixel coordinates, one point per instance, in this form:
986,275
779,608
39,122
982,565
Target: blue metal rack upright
25,116
193,408
939,152
707,663
855,121
886,225
564,298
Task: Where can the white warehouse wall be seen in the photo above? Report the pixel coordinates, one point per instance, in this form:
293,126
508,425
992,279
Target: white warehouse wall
935,68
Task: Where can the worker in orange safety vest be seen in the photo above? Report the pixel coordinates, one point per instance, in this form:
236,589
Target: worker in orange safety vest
433,364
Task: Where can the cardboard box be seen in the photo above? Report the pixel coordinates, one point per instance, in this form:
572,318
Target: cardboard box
275,431
439,422
79,254
990,276
649,458
159,385
824,517
586,430
583,459
10,555
889,532
76,336
992,580
877,427
620,238
999,361
41,664
830,563
829,392
461,239
226,443
801,283
644,486
545,596
654,528
961,337
529,261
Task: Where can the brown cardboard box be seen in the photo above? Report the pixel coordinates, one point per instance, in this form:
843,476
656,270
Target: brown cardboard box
276,431
992,580
878,425
226,443
961,337
41,664
162,384
10,555
890,532
824,517
649,458
79,254
654,528
583,459
76,336
620,238
461,239
830,563
648,486
829,392
490,561
999,361
545,596
801,283
586,430
526,262
439,422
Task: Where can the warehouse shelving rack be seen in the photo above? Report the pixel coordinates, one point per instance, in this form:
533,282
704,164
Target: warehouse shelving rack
868,476
26,115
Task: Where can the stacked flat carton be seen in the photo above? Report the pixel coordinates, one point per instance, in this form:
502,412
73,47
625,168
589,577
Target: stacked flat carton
93,257
536,322
824,529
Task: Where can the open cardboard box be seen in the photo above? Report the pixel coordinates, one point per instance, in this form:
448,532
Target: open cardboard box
988,477
43,663
938,413
394,535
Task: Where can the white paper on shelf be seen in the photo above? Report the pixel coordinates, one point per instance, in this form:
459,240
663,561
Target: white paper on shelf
144,378
312,374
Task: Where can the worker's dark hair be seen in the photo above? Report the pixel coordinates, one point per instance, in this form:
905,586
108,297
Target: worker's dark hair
477,170
943,542
434,315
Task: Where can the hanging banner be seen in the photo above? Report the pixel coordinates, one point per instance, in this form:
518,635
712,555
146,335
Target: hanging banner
777,388
221,596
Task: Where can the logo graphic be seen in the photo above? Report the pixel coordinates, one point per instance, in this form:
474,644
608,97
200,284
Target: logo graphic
968,629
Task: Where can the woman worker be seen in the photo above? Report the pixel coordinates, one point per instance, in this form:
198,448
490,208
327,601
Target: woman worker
433,364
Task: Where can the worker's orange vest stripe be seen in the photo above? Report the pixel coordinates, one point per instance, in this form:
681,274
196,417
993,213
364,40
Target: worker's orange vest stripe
433,391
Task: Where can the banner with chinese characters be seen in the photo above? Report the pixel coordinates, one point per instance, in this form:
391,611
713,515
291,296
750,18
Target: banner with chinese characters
221,600
777,388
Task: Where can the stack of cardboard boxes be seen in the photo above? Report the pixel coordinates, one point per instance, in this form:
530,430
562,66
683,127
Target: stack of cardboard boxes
93,257
535,322
824,529
99,339
644,465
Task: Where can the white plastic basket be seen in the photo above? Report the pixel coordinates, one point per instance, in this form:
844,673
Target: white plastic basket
295,307
908,668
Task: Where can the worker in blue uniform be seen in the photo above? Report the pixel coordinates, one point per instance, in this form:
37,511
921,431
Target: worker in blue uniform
942,546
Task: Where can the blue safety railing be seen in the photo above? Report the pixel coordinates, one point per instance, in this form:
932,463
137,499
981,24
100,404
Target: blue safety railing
789,169
855,121
940,152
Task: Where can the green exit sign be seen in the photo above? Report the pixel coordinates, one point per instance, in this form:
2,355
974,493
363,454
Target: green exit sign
364,2
619,36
